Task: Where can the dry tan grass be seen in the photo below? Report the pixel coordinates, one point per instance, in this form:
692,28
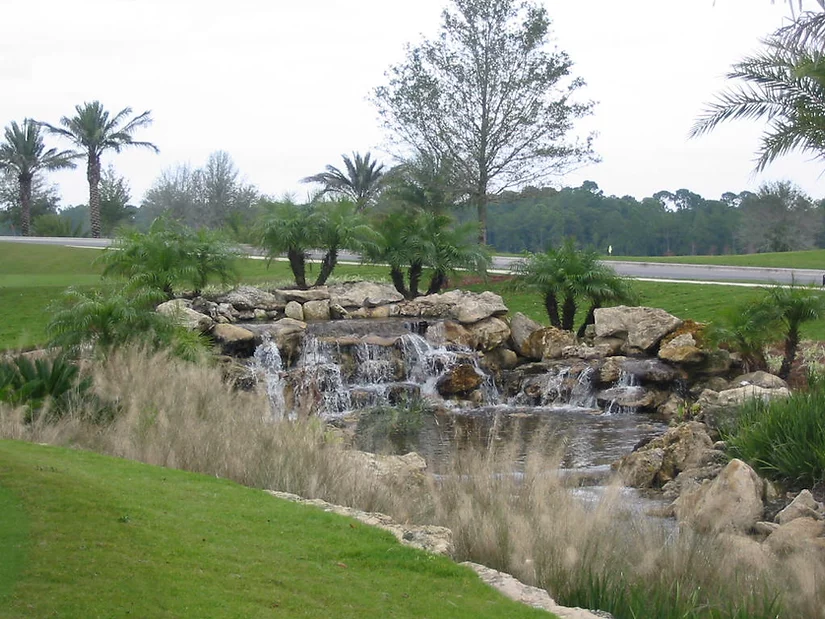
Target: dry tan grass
181,415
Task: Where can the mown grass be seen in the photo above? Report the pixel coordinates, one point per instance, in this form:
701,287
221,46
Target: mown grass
813,259
109,537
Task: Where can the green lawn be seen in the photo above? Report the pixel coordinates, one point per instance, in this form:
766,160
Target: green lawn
814,259
85,535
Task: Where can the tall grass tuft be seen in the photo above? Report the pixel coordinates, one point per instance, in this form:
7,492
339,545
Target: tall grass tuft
784,439
596,554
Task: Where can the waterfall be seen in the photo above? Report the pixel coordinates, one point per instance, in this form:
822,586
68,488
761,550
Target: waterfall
583,395
627,386
268,363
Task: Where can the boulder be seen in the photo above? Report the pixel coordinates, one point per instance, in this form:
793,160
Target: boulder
611,370
476,307
380,312
731,398
234,340
652,371
682,349
180,312
759,379
489,333
248,298
321,293
521,327
641,398
731,502
466,307
548,343
288,335
336,312
316,310
798,535
640,468
446,332
501,358
363,294
642,328
803,506
294,310
716,363
407,470
458,381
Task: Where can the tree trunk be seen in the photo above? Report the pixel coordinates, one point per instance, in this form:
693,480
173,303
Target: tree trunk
791,344
327,266
551,304
397,276
437,282
589,319
415,277
297,263
482,217
25,187
93,176
568,312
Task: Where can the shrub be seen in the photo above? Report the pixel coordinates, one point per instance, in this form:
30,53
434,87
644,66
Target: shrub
784,439
42,383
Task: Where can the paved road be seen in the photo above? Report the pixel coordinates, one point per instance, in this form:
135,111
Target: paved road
640,270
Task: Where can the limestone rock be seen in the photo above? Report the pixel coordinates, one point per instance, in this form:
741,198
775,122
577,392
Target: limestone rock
610,370
682,349
640,468
501,358
234,340
406,470
730,398
288,335
489,333
797,535
651,371
466,307
336,312
530,596
179,310
248,298
803,506
716,363
548,343
316,310
732,501
476,307
321,293
382,311
759,379
294,310
521,327
447,332
460,380
363,294
641,327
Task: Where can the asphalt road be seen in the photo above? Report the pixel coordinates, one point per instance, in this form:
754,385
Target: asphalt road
638,270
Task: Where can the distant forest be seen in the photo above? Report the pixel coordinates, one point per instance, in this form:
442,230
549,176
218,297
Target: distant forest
779,217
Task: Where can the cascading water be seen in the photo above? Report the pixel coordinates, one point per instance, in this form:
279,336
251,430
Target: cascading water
268,364
626,389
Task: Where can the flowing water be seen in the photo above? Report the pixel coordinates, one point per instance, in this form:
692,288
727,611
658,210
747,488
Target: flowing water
347,366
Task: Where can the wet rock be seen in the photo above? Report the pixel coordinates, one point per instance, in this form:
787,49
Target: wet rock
642,328
321,293
803,506
363,294
234,340
521,327
501,358
631,398
759,379
798,535
460,380
316,310
732,501
652,371
337,312
489,333
611,370
640,468
447,332
248,298
288,335
294,310
548,343
180,312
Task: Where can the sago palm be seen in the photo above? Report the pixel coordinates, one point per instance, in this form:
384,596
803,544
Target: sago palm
95,131
337,225
23,153
785,86
286,227
360,180
792,306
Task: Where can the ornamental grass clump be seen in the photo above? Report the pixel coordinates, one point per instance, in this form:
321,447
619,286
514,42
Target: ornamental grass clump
783,439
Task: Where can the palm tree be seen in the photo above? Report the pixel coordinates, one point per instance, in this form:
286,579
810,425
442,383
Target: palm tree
23,153
94,131
286,227
746,329
449,248
783,85
337,225
791,306
361,180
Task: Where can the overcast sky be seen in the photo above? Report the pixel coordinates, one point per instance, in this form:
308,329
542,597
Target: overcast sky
283,86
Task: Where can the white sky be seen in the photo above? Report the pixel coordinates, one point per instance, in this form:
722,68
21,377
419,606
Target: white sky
283,85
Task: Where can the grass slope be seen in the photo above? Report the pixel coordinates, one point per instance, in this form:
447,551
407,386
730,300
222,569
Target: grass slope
813,259
110,537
